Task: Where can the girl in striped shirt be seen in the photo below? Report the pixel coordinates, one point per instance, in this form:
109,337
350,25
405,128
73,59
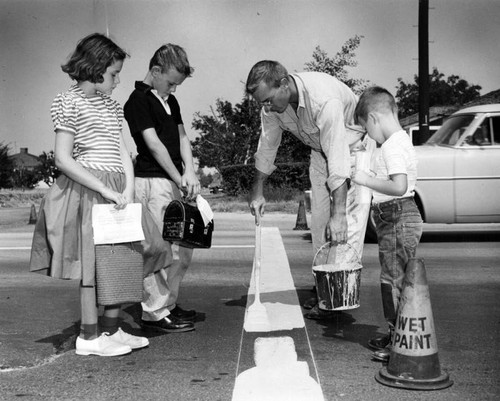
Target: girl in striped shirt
96,168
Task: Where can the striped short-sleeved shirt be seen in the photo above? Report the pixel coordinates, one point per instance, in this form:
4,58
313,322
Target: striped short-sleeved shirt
96,123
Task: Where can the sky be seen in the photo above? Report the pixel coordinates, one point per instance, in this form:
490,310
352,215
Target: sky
223,40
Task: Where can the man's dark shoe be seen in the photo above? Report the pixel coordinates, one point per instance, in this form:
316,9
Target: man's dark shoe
169,324
319,314
382,354
379,343
310,303
182,314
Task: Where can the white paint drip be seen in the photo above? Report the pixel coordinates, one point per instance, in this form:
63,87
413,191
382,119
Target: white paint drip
338,286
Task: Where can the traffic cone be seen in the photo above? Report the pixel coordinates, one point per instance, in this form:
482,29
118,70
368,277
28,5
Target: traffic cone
414,362
32,215
301,223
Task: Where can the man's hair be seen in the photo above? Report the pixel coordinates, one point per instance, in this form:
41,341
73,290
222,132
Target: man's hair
171,56
92,56
376,99
267,71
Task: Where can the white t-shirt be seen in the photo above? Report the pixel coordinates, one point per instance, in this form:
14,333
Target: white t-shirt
396,156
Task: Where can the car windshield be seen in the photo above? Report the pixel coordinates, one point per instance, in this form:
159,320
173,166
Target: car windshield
451,131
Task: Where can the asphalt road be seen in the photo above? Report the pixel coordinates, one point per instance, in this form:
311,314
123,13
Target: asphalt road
38,319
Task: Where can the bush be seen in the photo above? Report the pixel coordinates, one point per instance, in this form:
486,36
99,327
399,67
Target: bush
23,178
6,167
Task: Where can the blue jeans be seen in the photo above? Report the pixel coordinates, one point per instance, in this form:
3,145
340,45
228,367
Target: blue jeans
399,228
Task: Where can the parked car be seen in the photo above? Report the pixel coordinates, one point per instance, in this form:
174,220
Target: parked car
459,170
215,189
414,132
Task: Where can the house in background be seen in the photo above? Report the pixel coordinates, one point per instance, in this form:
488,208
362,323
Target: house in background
24,160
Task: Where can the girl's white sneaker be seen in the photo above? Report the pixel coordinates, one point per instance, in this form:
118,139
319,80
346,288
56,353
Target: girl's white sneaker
103,345
134,342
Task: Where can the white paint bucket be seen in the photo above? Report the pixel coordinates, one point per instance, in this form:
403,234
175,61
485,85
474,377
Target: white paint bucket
337,277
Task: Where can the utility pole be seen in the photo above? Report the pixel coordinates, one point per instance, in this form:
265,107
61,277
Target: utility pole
423,71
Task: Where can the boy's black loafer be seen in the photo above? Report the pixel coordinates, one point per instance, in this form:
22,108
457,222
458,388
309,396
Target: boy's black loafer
169,324
182,314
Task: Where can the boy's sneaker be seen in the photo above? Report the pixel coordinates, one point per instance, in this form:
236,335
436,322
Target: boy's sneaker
134,342
379,343
102,346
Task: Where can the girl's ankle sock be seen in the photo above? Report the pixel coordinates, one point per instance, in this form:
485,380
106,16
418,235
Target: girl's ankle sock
89,331
109,324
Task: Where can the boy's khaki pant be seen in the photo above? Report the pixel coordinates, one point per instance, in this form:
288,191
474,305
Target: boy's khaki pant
161,289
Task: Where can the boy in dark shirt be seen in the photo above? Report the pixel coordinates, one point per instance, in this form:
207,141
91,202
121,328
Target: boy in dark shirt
164,167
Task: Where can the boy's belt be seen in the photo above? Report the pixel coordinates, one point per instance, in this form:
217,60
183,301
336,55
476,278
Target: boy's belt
388,205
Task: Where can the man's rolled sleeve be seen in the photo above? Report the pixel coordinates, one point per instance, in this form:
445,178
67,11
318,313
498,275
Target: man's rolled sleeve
334,143
269,142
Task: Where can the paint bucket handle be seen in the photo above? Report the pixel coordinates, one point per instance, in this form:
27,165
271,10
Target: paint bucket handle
328,254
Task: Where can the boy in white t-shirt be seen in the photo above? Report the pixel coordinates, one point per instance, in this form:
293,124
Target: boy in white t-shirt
398,220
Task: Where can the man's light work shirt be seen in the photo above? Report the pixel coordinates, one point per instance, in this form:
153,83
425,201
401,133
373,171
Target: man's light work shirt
324,121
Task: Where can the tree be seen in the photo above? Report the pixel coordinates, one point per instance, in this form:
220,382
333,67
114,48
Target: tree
452,91
24,178
205,179
47,170
6,167
228,136
336,66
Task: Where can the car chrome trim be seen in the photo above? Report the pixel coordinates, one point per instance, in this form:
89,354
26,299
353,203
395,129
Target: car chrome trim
493,177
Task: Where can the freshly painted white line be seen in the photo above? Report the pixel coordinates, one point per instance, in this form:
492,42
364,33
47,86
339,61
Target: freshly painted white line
277,289
277,375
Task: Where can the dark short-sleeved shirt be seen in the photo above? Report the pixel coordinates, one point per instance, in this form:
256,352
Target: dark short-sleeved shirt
144,110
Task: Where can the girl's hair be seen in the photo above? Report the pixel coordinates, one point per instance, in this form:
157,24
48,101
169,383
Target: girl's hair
171,56
92,56
267,71
376,99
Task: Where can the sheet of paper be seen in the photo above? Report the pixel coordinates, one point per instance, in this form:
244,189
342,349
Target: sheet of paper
113,226
206,212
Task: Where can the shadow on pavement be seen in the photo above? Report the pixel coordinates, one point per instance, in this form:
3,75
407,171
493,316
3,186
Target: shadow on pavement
340,324
64,341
